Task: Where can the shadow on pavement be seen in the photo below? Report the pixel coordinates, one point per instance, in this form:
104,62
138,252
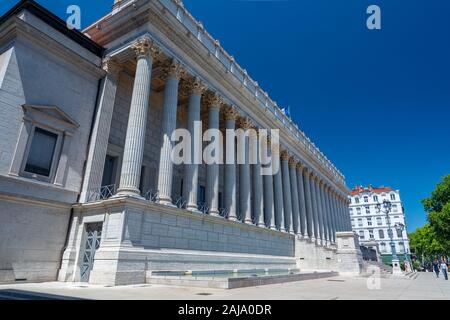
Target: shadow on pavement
13,294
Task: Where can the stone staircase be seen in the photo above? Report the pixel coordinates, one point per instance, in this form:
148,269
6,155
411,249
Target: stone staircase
385,271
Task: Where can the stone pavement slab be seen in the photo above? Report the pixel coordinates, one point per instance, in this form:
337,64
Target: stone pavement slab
425,286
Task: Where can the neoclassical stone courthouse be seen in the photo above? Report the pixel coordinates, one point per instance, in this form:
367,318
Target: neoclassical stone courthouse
87,188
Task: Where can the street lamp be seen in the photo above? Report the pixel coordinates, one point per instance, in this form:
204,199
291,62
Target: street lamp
400,227
385,208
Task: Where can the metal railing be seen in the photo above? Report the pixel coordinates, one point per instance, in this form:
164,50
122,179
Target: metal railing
151,195
101,193
180,203
203,207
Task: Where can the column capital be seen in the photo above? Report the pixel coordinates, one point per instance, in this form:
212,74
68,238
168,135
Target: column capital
172,67
145,47
111,66
285,156
293,162
231,113
213,100
300,166
245,123
193,85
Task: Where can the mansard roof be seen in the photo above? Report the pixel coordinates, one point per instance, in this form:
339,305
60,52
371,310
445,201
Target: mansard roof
55,22
370,189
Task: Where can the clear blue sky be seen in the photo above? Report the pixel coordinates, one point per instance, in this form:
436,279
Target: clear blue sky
377,103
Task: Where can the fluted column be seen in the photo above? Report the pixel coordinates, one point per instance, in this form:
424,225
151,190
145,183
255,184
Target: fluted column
325,214
278,191
100,132
212,170
172,71
320,212
302,202
315,217
294,191
269,208
287,196
258,204
133,152
309,204
244,175
331,216
195,89
230,165
338,213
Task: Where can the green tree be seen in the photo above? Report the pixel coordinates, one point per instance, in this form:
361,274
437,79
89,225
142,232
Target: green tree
438,208
425,243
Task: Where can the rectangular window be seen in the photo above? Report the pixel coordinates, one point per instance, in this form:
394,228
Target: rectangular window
392,196
358,210
379,221
351,211
367,209
399,233
366,199
201,195
375,198
360,224
356,200
369,221
394,208
42,150
381,234
371,234
361,234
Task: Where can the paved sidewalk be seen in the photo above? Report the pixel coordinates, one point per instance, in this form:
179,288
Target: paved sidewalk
425,286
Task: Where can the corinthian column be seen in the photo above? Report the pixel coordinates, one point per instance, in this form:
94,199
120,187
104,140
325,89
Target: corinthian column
258,204
212,170
195,89
278,191
287,200
100,132
244,174
331,218
309,204
319,213
269,209
133,151
315,217
172,72
229,197
302,202
324,214
294,190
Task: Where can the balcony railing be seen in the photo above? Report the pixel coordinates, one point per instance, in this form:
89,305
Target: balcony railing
102,193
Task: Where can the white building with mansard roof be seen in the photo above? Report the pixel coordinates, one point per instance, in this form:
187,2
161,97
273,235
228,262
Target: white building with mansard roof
88,191
372,224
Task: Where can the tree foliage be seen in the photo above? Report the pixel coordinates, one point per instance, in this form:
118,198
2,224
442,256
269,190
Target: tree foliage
433,239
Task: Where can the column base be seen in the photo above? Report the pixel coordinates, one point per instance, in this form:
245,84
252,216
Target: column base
233,218
248,221
261,225
128,192
193,208
272,227
214,213
166,202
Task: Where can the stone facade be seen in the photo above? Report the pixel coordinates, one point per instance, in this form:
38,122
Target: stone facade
112,201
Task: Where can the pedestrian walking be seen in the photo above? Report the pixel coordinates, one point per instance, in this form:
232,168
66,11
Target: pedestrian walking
444,269
436,267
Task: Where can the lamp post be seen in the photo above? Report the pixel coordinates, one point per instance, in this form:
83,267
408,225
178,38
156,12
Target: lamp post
385,208
400,227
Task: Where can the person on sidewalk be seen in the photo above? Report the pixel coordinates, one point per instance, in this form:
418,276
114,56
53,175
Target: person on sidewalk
436,267
444,269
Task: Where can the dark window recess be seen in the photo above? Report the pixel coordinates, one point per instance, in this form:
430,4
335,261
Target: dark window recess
41,153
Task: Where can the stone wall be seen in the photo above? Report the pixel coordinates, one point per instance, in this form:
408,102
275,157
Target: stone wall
31,240
140,237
